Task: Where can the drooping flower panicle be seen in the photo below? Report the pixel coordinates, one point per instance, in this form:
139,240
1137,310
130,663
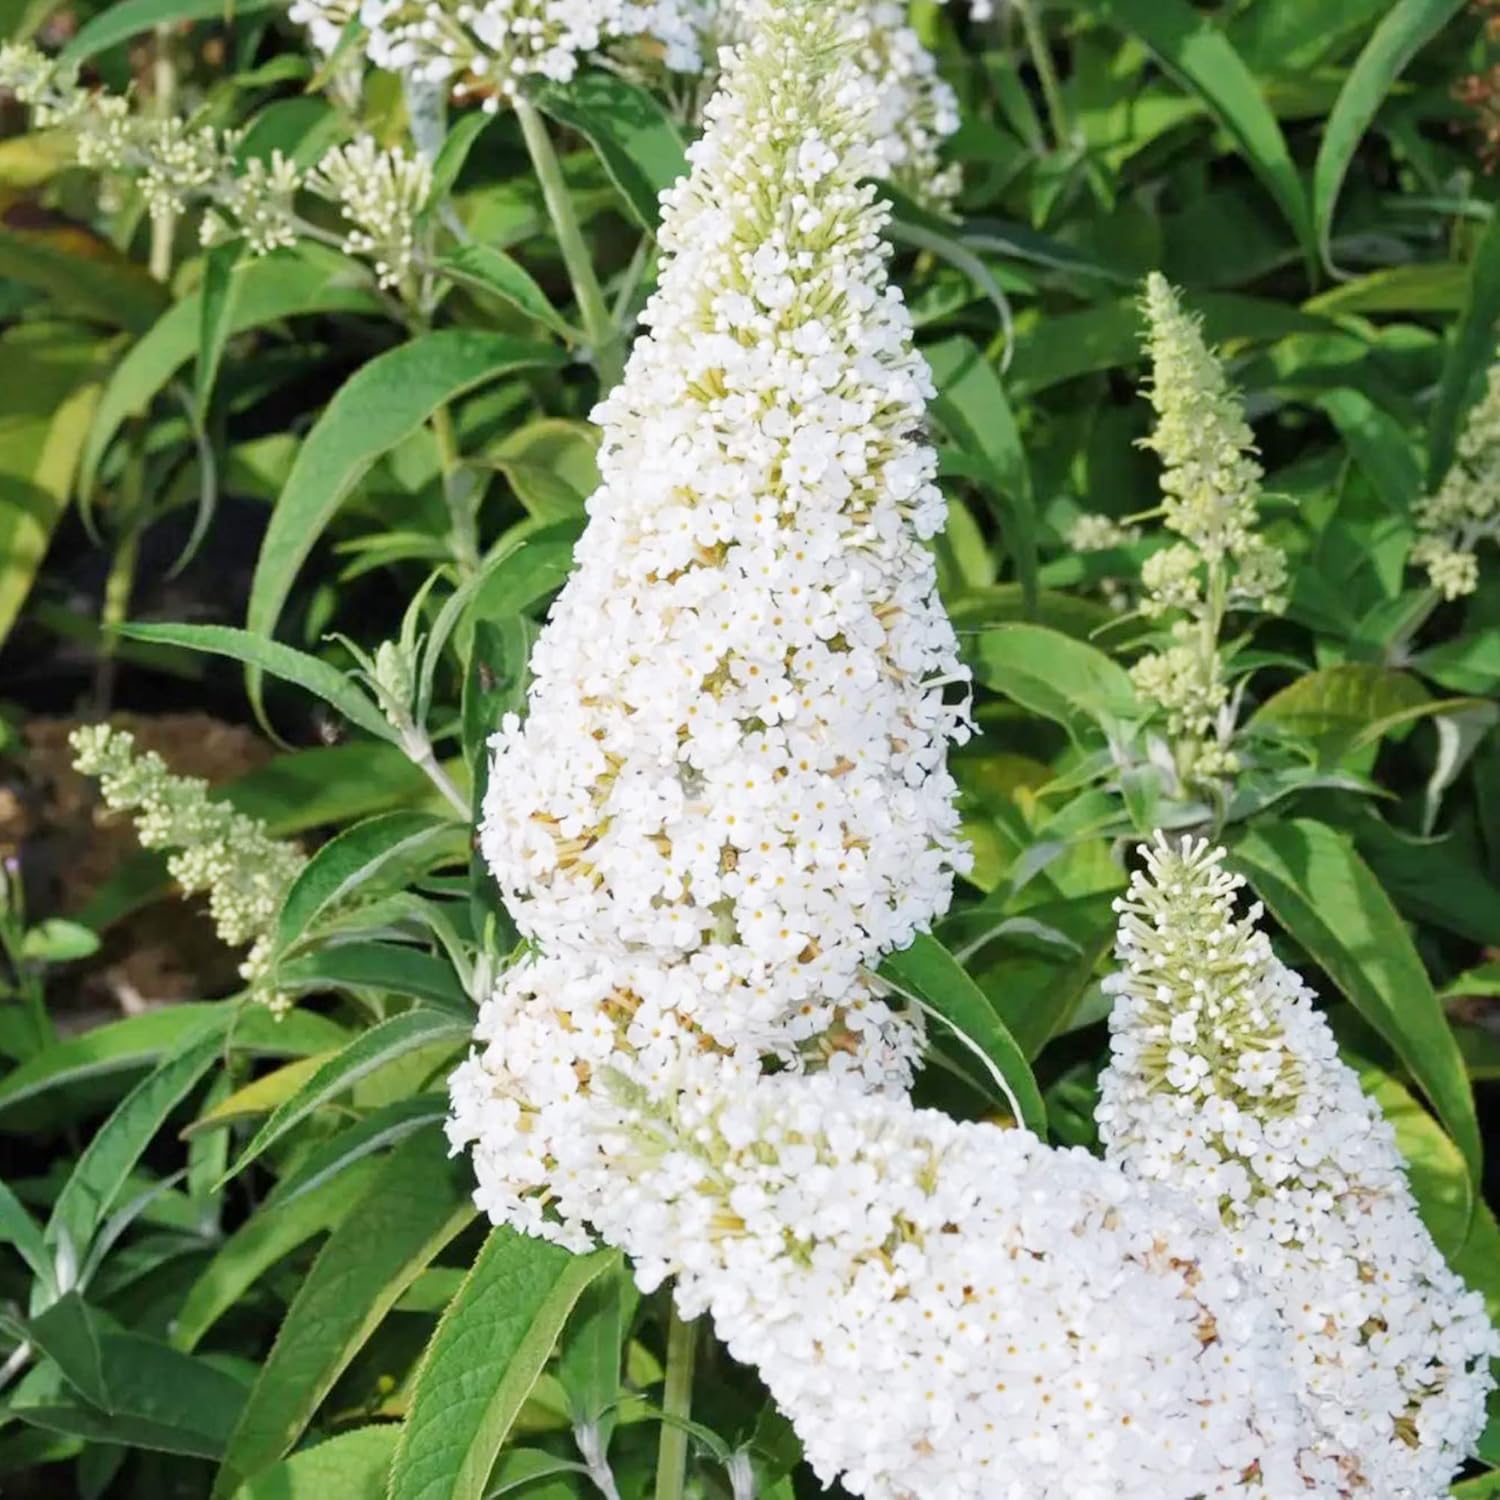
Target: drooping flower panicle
218,852
1226,1083
941,1309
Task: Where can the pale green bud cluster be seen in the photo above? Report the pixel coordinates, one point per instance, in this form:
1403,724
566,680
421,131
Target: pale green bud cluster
1466,508
1212,481
1187,685
1210,496
223,854
1092,532
381,193
257,204
178,165
174,162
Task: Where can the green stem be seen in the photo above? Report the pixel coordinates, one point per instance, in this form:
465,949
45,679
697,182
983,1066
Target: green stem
29,988
118,588
603,335
461,501
1041,58
422,756
677,1402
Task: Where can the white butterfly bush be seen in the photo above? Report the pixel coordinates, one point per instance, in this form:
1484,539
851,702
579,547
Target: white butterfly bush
491,49
1226,1083
728,799
734,756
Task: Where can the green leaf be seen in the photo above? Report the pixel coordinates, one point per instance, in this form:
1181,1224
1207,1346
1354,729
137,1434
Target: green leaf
1435,1169
258,1097
141,1392
382,1127
454,152
258,292
1337,708
397,1037
1065,680
18,1228
1197,53
127,18
1430,880
589,1366
67,1333
270,1234
59,941
528,567
487,1353
927,972
379,407
496,684
139,1042
1468,664
1379,446
327,784
107,1160
374,858
550,464
519,1469
1472,351
1036,965
1484,1487
314,674
381,966
1403,31
633,135
352,1466
416,1204
1325,895
1108,336
52,388
216,309
972,406
84,274
1423,287
493,271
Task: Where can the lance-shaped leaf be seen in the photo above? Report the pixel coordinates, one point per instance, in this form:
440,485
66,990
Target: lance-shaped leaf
415,1205
1325,895
483,1360
927,972
379,407
395,1038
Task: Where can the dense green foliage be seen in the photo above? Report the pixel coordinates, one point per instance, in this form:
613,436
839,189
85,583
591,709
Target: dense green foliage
235,1258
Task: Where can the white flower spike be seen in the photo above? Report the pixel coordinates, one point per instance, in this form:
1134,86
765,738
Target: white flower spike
1226,1083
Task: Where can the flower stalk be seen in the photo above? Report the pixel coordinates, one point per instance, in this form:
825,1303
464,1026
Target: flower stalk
677,1406
598,324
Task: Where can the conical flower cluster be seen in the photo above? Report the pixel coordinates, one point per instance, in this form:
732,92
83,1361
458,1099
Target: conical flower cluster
1226,1083
1210,494
733,759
